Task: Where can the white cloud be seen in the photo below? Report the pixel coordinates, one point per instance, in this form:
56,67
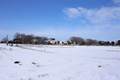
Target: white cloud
72,12
117,2
102,15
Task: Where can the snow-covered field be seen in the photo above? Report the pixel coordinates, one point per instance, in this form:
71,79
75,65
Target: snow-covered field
43,62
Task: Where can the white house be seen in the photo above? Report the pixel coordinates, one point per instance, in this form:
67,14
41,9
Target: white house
64,42
52,41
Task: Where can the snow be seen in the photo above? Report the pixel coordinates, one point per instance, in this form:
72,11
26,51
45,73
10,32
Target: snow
55,62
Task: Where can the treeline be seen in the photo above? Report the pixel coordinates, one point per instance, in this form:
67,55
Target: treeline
26,39
81,41
32,39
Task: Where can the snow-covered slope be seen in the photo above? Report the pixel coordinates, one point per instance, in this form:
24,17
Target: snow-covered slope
45,62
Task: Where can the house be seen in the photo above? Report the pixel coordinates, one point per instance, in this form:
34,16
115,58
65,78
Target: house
65,42
34,41
52,41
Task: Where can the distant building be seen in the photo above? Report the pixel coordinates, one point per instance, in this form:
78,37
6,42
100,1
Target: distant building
56,42
52,41
65,42
34,41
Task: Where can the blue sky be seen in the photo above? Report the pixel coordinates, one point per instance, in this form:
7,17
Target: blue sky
61,19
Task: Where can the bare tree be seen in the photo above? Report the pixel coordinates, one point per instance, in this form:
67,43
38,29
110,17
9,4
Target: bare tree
91,42
5,40
43,40
17,38
28,39
17,35
77,40
22,38
37,40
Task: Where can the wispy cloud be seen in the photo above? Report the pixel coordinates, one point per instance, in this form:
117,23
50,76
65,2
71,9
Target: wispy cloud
72,12
1,32
102,15
117,2
101,22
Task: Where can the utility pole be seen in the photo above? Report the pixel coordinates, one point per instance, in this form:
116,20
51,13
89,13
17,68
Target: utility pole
7,40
